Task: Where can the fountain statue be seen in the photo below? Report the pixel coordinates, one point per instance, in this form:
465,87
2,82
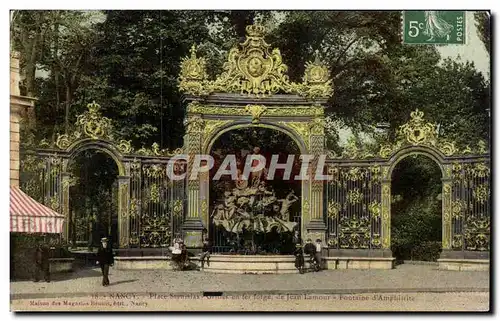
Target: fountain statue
254,208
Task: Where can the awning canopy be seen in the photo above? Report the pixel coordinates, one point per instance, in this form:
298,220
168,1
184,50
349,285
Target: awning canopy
29,216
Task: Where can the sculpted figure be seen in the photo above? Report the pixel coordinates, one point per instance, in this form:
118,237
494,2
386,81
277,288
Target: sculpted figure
219,213
286,203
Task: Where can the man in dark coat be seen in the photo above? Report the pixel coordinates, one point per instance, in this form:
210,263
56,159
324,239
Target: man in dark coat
105,259
42,262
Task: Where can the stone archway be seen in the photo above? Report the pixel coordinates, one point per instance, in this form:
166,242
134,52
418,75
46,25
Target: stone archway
93,198
435,156
141,179
259,94
273,230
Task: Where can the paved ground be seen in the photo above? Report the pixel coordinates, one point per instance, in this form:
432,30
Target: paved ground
405,278
470,301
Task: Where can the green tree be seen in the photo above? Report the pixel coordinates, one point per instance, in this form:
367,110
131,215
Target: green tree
483,24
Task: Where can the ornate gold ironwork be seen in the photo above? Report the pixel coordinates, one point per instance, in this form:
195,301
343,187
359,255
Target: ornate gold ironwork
254,69
193,74
332,241
154,171
195,124
333,209
417,131
354,233
457,241
155,231
375,209
134,207
457,208
316,81
256,111
354,196
155,193
296,111
354,174
93,124
477,233
481,170
376,242
125,147
178,208
481,193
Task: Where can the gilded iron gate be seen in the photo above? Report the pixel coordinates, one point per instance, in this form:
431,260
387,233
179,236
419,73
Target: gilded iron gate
470,206
353,208
358,193
151,206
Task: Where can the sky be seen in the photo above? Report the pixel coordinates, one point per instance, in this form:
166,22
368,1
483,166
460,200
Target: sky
473,50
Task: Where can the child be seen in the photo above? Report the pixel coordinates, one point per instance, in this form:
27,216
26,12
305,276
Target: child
299,258
205,253
177,251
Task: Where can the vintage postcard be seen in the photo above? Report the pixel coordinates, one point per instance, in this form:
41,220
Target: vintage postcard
225,160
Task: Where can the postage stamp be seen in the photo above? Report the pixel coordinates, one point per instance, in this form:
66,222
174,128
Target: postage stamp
434,27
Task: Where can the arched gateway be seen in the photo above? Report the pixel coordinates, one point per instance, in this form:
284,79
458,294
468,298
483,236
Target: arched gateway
254,91
350,212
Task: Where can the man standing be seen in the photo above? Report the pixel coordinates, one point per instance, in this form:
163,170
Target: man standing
42,262
105,259
317,255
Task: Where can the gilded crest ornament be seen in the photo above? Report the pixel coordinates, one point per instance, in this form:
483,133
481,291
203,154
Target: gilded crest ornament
93,124
316,81
193,74
256,111
417,131
255,69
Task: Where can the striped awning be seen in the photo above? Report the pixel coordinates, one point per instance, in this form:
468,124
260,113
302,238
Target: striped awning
29,216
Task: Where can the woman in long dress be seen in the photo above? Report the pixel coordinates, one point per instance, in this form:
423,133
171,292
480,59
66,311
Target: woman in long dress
435,26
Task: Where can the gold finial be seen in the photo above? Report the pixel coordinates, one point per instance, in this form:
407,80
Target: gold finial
93,107
193,51
317,60
255,30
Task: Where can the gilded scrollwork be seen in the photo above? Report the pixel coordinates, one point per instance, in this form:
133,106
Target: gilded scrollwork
375,209
154,171
278,111
417,131
477,233
354,196
193,74
333,209
93,124
254,69
458,207
256,111
354,232
125,147
481,193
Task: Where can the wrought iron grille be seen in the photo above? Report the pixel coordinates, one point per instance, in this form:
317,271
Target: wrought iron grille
353,207
470,210
157,204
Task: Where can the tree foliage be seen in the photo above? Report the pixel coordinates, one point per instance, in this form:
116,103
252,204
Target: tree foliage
483,24
128,61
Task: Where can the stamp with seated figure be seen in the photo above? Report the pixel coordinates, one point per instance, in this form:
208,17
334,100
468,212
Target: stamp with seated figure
434,27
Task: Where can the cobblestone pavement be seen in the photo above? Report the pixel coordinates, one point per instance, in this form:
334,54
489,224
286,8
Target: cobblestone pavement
470,301
403,279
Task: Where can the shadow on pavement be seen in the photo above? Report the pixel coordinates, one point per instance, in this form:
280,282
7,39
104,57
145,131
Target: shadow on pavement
123,281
